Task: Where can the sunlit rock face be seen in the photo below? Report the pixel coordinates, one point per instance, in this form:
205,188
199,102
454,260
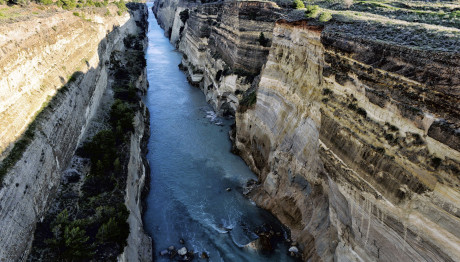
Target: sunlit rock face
37,58
355,141
347,148
222,53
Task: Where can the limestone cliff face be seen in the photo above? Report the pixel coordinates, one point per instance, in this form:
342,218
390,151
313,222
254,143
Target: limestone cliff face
35,61
38,57
356,146
220,44
355,141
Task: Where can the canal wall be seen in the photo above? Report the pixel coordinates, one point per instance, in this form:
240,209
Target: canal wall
54,76
355,141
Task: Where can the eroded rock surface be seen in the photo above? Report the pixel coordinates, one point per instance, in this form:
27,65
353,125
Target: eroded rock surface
344,151
355,141
39,55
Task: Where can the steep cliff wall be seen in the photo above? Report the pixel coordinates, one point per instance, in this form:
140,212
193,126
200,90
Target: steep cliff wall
47,54
38,56
354,136
139,245
220,43
344,137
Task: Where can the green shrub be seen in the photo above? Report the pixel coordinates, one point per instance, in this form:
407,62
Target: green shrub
249,100
327,91
122,115
121,7
45,2
69,241
128,94
102,152
389,137
263,41
115,230
312,11
352,106
298,4
325,16
67,4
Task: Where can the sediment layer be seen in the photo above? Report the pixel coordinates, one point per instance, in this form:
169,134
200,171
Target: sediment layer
355,141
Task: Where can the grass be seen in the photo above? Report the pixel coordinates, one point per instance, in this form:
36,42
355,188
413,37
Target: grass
444,13
7,13
46,8
422,25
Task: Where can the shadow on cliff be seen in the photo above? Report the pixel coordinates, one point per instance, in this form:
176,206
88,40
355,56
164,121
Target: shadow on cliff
101,219
30,179
17,148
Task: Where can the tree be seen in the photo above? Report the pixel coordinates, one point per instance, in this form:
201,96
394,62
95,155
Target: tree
263,41
69,241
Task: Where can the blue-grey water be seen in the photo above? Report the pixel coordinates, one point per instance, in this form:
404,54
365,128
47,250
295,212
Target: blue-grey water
191,167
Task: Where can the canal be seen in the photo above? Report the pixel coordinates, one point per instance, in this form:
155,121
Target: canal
192,167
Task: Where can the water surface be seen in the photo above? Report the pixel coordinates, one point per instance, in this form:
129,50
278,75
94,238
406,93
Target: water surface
191,168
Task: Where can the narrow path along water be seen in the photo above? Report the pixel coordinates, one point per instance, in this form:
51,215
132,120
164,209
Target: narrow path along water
191,167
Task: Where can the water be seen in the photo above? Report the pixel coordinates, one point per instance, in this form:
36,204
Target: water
191,167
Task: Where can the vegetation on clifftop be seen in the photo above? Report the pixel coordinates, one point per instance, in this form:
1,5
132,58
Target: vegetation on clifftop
426,25
18,10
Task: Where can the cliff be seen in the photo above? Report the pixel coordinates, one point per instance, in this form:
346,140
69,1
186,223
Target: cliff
38,57
219,40
354,136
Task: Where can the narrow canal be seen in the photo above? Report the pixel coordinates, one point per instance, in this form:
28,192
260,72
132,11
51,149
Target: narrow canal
191,168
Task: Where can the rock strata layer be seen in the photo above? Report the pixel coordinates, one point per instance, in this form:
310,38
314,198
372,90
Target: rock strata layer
38,59
355,142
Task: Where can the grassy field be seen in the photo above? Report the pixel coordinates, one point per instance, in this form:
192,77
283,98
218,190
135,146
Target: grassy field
418,24
15,13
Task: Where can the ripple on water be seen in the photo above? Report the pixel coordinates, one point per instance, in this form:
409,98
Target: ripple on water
191,168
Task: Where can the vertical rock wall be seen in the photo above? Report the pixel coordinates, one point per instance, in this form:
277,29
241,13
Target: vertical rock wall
355,141
39,56
342,144
29,187
220,45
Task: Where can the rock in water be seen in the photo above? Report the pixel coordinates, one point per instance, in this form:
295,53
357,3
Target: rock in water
171,248
182,251
204,255
164,252
294,249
